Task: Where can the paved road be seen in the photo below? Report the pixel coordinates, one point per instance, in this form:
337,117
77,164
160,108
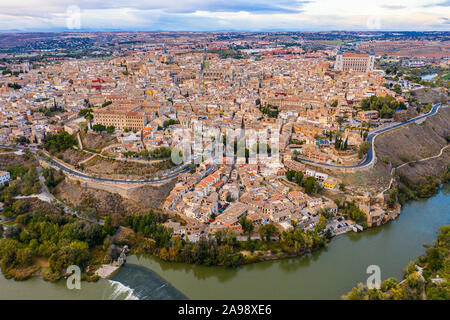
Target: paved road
85,176
146,181
370,157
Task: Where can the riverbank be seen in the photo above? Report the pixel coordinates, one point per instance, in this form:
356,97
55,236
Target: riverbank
149,236
426,278
106,271
325,274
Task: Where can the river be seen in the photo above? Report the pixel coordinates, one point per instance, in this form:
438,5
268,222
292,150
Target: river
325,274
429,77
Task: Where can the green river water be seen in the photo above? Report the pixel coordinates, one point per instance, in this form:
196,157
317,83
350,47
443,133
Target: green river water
325,274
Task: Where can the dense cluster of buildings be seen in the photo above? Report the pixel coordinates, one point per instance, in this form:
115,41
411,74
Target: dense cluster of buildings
216,197
154,92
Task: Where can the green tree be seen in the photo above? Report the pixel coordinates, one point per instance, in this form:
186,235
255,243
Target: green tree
298,177
59,142
388,284
397,89
89,117
267,231
106,103
247,225
321,224
311,185
363,149
107,227
290,174
98,127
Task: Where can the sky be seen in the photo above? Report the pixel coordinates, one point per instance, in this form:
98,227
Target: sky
224,15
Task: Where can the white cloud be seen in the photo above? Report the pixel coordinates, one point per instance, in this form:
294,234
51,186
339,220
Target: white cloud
213,15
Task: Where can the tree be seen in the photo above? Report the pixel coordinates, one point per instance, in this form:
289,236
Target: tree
89,117
22,140
17,170
76,253
83,112
161,153
293,223
386,111
59,142
225,236
322,223
397,89
385,105
345,144
8,253
356,293
109,230
21,207
350,210
246,224
267,231
170,122
298,177
290,174
337,143
12,232
311,185
363,149
98,127
110,129
106,103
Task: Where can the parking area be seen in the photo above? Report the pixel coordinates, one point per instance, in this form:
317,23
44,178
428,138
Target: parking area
223,206
338,226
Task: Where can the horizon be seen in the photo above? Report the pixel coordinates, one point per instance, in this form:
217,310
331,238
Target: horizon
222,31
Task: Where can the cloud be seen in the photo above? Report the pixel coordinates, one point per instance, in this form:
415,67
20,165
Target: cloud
214,15
438,4
393,7
48,7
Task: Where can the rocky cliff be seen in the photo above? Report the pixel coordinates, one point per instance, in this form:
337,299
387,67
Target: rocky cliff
415,142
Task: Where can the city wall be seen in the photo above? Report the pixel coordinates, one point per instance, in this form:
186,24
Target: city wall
123,189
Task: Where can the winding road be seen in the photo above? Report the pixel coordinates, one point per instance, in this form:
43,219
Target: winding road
414,161
79,174
145,181
370,157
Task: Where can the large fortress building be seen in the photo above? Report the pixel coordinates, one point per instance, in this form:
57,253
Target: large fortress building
120,117
354,62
